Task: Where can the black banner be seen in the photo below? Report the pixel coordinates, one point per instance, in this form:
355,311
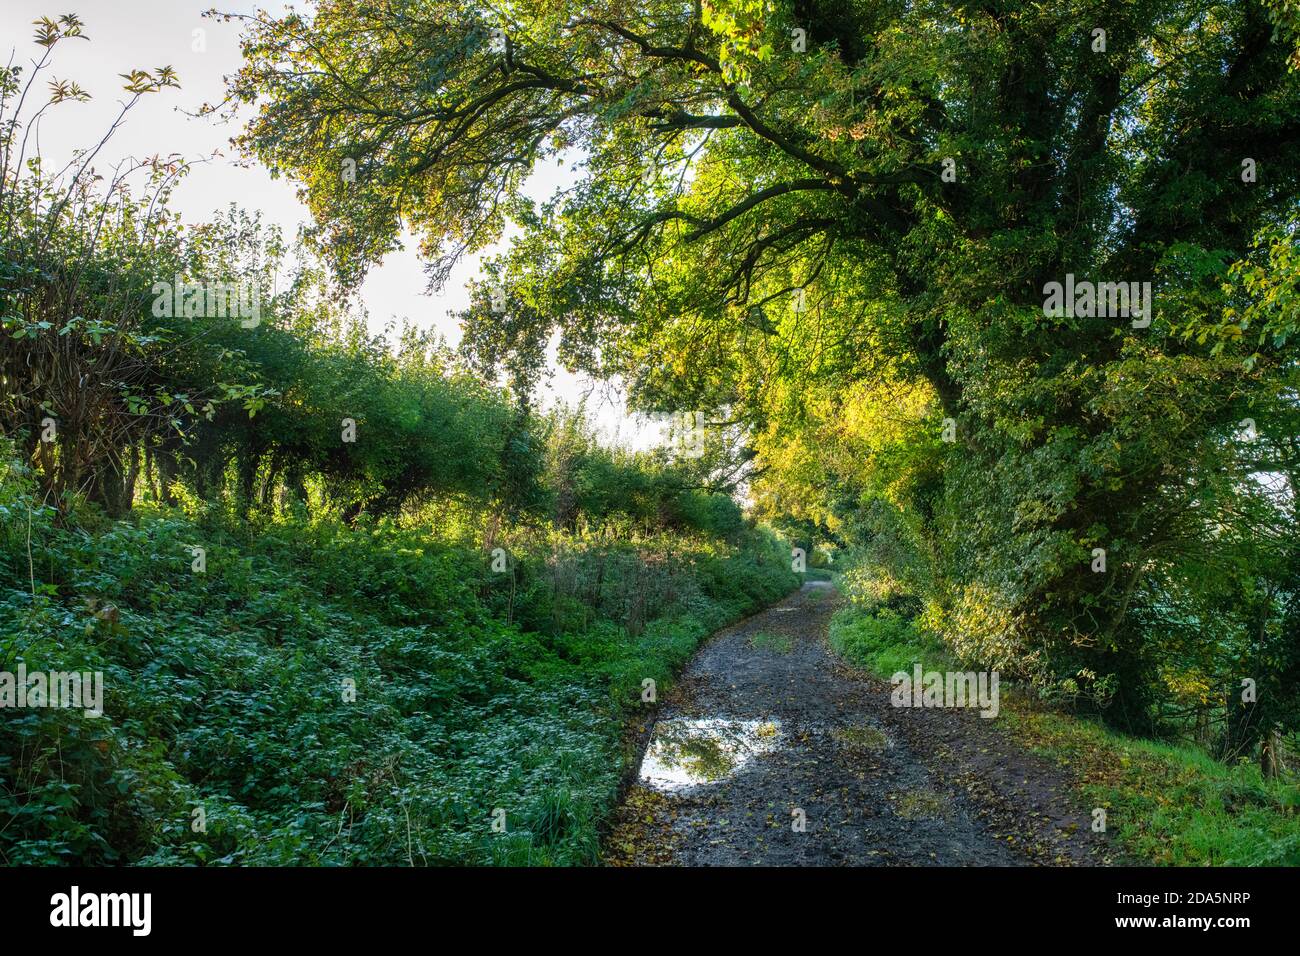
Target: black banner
334,906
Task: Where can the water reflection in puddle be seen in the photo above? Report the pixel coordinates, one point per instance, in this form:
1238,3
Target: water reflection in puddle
686,753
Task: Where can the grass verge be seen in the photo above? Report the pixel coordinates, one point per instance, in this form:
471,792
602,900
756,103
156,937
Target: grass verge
1166,803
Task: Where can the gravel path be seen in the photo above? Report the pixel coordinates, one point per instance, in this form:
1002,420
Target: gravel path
771,751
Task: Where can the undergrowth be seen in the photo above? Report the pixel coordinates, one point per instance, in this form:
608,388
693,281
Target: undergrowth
326,694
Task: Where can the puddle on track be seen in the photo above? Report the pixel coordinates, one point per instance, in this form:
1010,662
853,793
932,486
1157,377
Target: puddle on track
716,790
685,753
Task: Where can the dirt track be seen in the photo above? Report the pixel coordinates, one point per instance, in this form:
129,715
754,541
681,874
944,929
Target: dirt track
768,727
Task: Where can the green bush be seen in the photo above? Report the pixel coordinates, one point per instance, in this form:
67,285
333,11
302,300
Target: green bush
884,642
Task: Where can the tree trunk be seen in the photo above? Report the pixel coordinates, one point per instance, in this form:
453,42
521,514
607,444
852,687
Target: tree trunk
1270,759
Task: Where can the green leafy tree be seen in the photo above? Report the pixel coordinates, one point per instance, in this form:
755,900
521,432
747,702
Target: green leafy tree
773,200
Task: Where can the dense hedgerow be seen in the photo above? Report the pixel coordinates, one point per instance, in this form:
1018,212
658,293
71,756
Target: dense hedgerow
475,690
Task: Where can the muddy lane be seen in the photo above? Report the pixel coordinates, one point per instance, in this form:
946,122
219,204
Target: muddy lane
771,752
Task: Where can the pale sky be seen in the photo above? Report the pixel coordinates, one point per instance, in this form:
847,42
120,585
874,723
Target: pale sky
144,34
